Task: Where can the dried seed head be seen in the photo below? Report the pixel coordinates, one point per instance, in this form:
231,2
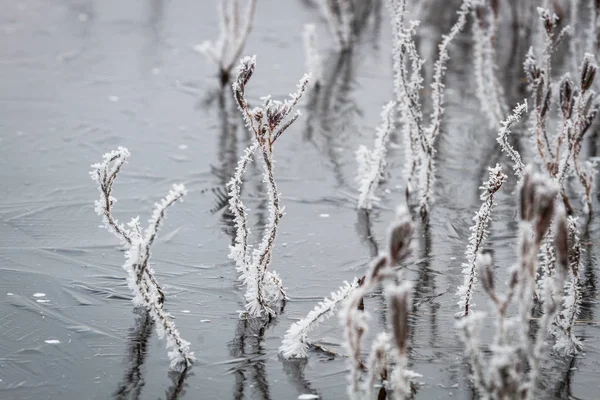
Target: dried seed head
561,241
483,264
588,71
399,305
544,210
526,196
538,195
375,271
245,70
566,96
549,20
399,235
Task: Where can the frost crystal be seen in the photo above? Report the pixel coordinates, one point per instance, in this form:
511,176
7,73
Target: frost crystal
503,134
489,91
478,236
371,163
295,343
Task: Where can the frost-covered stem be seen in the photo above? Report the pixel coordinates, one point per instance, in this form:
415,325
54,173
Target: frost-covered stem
104,174
239,251
504,133
377,363
566,341
437,96
489,91
478,236
175,194
407,85
295,343
262,255
469,328
439,70
371,164
180,353
354,319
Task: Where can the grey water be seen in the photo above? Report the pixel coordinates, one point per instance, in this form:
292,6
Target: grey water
81,77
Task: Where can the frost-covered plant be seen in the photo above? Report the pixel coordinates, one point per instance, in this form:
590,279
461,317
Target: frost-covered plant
578,105
513,368
582,111
406,86
489,91
477,238
539,77
371,163
396,379
141,281
504,133
566,341
233,33
311,55
295,343
263,287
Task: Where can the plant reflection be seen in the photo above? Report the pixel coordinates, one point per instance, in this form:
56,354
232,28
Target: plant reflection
248,347
294,370
132,383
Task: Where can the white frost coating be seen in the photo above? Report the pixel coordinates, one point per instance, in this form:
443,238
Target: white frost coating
489,91
311,54
371,163
140,277
295,343
408,82
264,288
503,134
421,141
437,96
566,341
478,236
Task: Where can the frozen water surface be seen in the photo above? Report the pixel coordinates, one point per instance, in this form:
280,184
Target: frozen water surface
81,77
